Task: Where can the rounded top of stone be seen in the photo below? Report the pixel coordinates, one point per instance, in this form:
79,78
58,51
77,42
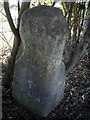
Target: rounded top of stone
42,22
43,10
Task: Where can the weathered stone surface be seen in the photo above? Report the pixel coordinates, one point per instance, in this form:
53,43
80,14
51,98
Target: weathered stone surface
39,78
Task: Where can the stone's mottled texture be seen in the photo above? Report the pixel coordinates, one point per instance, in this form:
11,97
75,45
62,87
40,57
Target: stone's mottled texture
39,78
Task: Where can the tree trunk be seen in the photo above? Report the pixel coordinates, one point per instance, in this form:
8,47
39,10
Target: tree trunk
81,46
8,76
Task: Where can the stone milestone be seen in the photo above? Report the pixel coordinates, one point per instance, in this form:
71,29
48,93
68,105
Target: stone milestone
39,76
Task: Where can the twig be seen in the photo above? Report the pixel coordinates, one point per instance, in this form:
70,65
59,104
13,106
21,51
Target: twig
2,13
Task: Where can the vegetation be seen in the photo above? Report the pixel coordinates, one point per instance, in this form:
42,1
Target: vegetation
78,19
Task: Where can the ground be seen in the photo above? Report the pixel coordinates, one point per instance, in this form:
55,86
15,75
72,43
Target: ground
74,106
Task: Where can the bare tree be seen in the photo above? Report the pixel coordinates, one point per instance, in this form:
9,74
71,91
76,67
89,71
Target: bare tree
80,44
8,76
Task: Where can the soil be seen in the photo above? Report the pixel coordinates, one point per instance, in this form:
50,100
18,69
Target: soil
74,106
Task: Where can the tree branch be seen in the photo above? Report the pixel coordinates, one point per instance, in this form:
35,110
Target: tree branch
82,21
9,18
8,76
81,47
3,13
18,4
75,57
24,6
